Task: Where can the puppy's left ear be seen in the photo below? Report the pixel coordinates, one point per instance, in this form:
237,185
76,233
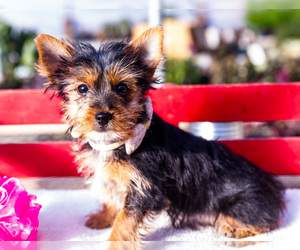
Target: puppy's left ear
151,42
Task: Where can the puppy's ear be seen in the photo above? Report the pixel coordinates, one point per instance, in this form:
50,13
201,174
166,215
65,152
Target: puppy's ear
51,51
151,41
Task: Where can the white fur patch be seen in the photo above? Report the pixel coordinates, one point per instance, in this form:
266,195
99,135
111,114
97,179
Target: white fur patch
104,187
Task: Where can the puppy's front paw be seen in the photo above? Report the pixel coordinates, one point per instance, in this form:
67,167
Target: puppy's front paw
100,220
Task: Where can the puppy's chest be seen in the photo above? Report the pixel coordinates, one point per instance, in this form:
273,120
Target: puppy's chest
119,172
116,178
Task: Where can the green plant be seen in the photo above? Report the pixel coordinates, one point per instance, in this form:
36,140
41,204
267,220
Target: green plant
274,16
226,70
182,71
18,54
118,30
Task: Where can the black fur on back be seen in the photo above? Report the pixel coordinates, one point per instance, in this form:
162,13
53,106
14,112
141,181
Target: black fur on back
192,176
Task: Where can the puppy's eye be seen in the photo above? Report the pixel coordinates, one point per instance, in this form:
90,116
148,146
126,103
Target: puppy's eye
83,89
122,88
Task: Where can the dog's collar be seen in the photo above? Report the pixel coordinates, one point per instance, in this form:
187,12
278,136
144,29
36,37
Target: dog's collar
115,145
106,147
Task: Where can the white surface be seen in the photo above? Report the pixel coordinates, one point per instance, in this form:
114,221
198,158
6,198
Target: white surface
64,212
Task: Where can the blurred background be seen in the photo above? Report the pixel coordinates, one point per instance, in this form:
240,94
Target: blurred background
206,41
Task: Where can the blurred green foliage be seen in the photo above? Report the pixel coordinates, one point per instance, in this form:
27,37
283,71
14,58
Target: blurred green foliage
119,30
182,71
226,70
230,70
273,16
292,66
18,53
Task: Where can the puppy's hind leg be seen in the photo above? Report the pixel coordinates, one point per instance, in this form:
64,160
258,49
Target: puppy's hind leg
233,228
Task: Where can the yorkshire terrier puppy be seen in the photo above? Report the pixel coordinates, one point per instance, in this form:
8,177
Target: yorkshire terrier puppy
142,164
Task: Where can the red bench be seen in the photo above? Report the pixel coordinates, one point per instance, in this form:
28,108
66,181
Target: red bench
216,103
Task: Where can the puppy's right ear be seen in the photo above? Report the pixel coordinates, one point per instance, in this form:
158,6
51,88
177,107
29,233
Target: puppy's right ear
51,51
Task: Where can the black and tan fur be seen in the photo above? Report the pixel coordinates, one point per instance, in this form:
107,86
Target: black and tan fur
198,182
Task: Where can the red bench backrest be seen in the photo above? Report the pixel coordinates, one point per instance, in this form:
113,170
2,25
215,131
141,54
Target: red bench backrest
216,103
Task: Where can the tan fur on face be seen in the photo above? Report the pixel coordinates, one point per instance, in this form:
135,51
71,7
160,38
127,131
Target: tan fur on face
88,76
118,74
80,113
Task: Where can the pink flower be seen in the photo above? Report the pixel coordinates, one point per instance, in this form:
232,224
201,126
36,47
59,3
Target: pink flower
18,212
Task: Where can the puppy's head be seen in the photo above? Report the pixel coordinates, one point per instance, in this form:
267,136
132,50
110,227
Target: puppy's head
102,89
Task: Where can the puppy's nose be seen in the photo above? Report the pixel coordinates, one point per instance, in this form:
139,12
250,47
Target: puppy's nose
103,118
